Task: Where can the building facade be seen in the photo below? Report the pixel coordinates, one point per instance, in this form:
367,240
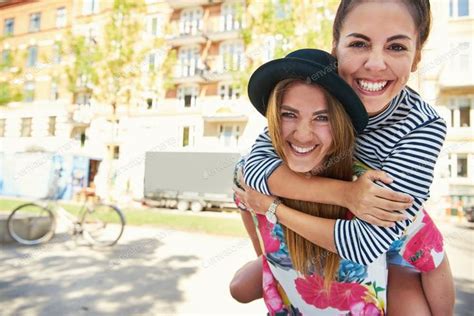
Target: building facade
200,103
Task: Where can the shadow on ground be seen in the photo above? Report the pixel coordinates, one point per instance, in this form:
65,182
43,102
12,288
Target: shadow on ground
464,297
64,276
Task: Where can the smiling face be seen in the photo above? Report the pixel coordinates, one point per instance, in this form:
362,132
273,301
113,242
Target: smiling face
304,126
377,51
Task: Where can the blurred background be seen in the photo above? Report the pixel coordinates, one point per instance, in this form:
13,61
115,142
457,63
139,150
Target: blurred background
95,85
143,103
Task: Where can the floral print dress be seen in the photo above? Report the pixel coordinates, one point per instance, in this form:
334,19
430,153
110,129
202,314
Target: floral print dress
358,289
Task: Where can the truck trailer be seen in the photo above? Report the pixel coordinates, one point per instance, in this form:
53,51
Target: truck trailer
189,180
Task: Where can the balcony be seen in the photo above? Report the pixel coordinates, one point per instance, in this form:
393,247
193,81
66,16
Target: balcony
221,28
180,4
185,75
189,34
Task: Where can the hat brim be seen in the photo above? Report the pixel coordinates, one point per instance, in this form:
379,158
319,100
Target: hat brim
265,78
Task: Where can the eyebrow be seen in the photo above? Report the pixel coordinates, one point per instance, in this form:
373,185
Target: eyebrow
391,38
289,108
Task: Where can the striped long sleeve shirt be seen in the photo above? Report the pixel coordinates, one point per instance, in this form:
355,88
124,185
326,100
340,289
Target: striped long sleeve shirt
404,141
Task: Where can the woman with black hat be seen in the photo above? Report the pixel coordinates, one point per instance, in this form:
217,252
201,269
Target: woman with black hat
378,44
313,117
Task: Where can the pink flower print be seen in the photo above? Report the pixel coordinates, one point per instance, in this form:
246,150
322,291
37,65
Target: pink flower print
271,296
311,288
344,295
418,250
271,244
341,295
365,309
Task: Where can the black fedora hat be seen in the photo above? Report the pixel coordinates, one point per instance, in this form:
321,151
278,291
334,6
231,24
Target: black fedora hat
313,66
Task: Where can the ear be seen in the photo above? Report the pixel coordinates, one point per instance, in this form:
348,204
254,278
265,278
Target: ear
416,60
333,49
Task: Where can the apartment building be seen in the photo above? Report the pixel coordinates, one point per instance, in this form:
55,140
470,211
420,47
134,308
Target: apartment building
446,79
32,34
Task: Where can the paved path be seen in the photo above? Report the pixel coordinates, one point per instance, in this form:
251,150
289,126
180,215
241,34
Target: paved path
159,272
151,272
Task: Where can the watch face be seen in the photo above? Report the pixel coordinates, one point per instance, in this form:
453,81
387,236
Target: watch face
271,217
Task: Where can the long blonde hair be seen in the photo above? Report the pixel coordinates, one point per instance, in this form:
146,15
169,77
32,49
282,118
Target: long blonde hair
306,256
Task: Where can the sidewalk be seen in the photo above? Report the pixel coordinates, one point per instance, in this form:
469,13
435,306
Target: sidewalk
150,272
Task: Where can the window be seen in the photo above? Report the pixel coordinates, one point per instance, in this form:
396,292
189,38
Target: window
6,58
32,57
187,136
462,166
458,8
26,126
232,56
229,91
187,96
3,123
154,26
29,94
35,22
464,116
83,98
56,56
190,22
90,7
54,94
460,111
189,61
463,7
152,61
231,16
115,150
61,17
229,135
52,126
9,27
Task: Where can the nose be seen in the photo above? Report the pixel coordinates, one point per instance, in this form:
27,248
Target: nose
303,133
375,61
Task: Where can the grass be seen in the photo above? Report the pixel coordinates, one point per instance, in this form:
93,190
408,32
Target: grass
154,217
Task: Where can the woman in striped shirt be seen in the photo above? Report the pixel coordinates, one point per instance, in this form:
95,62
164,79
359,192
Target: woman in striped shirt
377,46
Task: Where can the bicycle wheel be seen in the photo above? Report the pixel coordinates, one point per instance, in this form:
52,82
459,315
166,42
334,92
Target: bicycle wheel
31,224
103,225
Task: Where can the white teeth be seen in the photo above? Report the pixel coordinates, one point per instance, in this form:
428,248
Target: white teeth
302,150
372,86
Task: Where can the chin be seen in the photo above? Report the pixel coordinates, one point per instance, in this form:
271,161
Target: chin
300,167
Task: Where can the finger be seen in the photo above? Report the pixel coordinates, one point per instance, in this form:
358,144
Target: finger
377,221
238,190
389,205
393,196
377,175
388,215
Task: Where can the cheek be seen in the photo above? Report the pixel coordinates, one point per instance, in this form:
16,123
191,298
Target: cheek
325,136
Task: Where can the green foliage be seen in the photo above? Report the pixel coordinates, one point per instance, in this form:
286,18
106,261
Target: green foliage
82,72
10,69
121,60
289,25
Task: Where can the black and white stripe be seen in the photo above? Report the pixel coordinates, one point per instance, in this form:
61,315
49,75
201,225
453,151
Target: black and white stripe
404,141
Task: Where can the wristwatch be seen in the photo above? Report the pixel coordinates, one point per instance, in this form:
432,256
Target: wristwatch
271,212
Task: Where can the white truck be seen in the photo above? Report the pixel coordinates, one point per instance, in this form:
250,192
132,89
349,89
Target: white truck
189,180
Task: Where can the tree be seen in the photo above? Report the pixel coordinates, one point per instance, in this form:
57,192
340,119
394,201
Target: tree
10,75
122,54
273,28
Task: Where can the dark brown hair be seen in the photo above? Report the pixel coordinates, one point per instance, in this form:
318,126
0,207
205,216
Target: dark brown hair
420,11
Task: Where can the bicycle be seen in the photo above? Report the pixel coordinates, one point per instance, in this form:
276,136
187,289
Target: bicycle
35,222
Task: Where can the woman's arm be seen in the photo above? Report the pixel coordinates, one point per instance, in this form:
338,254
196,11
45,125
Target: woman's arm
319,231
251,231
265,172
355,239
411,165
